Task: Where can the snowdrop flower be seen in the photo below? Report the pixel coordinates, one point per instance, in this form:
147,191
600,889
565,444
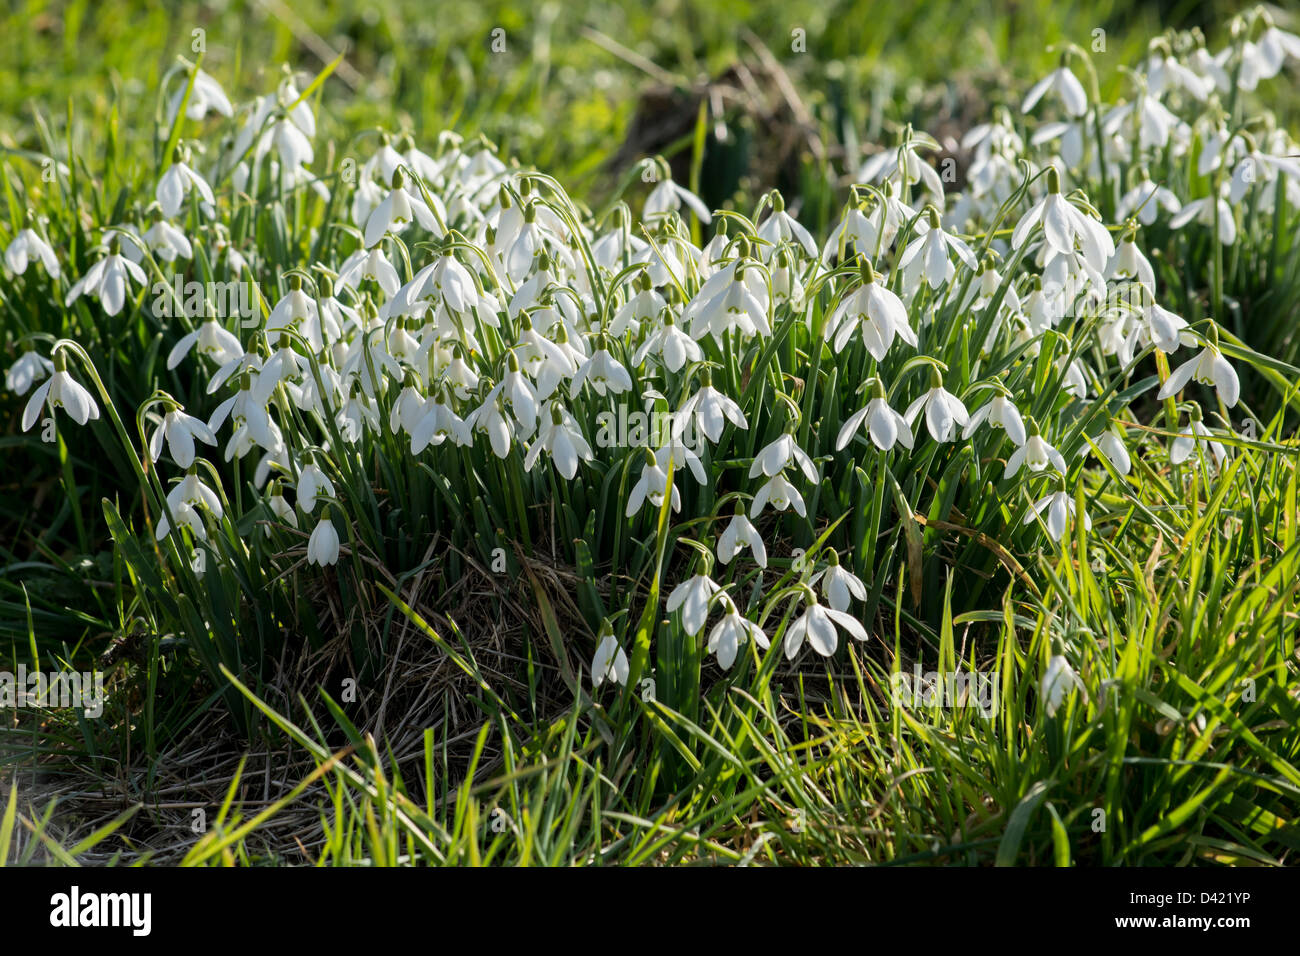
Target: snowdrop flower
708,410
880,314
439,422
167,242
1145,200
1064,227
740,534
212,340
943,411
561,437
1000,412
927,256
1065,85
180,430
1058,680
1060,508
780,228
651,487
839,585
28,245
774,458
692,598
1129,263
30,368
673,346
1204,212
176,183
323,545
312,482
369,264
60,390
667,197
280,507
1274,47
184,502
1191,438
107,279
731,632
817,624
884,425
610,661
489,419
904,166
1111,445
1208,367
206,96
1163,328
733,298
399,210
1036,453
780,494
603,372
854,231
1164,72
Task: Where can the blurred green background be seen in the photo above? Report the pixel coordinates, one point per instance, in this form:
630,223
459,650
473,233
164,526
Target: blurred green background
578,83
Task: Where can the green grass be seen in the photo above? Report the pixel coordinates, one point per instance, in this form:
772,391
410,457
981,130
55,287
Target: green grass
1177,609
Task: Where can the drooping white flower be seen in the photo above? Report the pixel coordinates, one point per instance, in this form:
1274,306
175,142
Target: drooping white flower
1060,508
775,457
817,624
184,502
1208,367
1065,85
180,430
740,534
28,245
944,412
603,372
176,183
780,228
878,312
107,279
651,488
727,636
885,426
212,340
312,481
60,390
780,494
30,368
1036,453
323,545
1196,436
398,210
839,585
1205,211
561,437
667,196
207,95
999,412
927,257
692,597
1058,680
709,411
1112,446
609,663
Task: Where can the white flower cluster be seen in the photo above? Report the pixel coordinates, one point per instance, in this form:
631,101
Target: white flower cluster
482,307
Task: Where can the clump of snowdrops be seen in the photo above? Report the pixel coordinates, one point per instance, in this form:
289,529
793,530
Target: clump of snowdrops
444,343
